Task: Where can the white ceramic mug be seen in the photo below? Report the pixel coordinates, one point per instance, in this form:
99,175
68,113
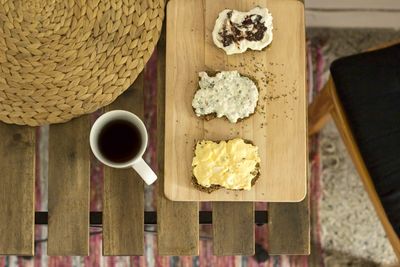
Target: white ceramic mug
137,161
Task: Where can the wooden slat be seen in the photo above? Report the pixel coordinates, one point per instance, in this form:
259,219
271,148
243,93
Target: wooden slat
178,227
233,228
289,228
123,199
69,174
17,181
233,222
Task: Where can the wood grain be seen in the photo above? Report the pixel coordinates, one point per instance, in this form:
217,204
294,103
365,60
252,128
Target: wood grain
17,181
123,199
289,228
177,222
233,228
69,179
278,127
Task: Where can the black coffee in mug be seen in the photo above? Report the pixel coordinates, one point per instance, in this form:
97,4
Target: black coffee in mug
119,141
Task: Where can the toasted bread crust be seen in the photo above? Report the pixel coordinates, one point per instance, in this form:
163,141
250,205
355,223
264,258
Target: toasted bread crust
215,187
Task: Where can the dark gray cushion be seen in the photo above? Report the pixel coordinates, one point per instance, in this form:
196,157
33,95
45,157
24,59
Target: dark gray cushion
368,86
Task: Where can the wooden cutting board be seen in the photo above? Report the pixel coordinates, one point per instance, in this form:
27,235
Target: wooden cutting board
279,126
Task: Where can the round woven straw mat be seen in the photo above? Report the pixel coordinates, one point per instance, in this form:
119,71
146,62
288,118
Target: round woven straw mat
63,58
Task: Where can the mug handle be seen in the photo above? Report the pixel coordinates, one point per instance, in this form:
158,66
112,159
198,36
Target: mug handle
144,171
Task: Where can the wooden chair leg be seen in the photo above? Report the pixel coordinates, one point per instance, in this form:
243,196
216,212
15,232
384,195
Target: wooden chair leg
327,104
342,124
319,109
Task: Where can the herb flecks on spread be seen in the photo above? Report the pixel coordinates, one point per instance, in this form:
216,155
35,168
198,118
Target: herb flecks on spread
227,94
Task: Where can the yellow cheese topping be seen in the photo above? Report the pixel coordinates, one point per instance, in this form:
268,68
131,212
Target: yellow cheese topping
230,164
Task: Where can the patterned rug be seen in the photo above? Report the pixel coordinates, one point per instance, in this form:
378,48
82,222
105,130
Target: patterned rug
351,234
325,251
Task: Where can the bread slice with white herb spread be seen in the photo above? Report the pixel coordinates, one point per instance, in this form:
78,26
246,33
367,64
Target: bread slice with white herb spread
227,94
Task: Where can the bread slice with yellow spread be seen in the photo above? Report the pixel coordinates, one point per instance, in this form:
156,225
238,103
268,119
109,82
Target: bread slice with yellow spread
232,164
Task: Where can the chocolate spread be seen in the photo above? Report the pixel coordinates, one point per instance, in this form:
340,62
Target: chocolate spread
251,29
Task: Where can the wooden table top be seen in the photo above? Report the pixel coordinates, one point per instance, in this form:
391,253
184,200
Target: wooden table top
123,197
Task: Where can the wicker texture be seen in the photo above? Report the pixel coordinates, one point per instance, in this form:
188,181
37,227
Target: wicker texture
63,58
